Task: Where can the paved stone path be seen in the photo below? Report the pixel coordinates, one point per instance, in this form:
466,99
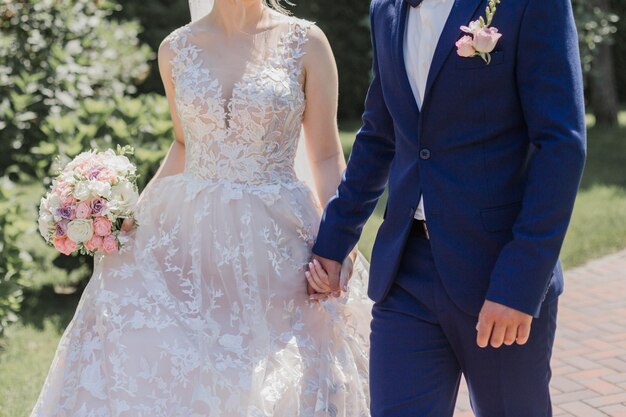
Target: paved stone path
589,362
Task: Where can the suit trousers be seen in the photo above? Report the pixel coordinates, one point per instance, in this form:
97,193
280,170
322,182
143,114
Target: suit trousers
421,344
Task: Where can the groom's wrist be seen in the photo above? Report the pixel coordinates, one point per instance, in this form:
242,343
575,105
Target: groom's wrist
328,252
519,302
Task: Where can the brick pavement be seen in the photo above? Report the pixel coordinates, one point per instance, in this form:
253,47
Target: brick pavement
589,361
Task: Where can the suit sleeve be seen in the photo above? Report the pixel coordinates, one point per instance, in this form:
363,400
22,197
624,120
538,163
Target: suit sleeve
366,175
550,86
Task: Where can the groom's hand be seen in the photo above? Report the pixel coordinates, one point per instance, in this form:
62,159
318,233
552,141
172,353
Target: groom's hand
498,324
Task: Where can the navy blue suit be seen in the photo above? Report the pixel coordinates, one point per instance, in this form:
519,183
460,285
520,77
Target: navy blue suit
497,151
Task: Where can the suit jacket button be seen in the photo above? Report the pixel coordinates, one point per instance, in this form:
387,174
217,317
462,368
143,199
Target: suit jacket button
425,154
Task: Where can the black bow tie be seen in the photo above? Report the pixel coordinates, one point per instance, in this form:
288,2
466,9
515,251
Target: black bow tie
414,3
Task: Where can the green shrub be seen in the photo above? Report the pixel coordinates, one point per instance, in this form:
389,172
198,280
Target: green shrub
15,262
53,56
142,122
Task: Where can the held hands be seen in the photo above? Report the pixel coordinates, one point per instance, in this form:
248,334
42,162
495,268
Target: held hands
326,277
128,225
498,324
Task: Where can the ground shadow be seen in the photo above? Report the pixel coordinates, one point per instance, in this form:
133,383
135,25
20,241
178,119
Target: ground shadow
45,304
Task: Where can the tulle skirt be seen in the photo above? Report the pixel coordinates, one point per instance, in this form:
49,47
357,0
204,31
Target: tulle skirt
205,313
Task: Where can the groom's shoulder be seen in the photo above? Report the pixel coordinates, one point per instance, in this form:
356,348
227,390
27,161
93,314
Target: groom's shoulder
382,7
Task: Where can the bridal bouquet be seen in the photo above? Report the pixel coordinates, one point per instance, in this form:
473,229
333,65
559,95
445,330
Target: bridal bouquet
88,201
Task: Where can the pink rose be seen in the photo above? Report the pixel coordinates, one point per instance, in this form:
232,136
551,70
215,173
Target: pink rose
64,245
70,246
102,226
83,211
68,201
106,175
485,39
95,243
465,47
59,243
110,244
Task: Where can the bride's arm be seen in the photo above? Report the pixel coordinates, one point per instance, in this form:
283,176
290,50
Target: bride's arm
321,137
321,134
174,161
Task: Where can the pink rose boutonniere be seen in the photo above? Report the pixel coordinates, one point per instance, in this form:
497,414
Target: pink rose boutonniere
482,38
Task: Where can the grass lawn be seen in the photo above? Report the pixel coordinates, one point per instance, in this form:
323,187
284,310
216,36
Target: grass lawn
598,227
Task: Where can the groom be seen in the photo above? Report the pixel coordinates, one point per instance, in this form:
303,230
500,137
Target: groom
480,136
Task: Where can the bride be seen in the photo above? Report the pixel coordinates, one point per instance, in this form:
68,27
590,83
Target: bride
206,312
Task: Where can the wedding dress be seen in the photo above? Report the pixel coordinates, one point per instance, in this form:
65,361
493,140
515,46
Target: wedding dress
205,312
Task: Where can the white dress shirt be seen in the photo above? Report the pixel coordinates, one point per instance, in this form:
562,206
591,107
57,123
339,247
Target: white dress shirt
423,29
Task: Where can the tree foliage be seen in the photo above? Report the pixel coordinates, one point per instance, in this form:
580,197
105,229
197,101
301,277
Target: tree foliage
158,18
595,26
619,47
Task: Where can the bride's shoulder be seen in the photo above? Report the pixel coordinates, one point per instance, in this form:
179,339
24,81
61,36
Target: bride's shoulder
308,33
171,45
314,40
174,42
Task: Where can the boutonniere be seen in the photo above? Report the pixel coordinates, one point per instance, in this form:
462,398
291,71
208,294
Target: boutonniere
482,38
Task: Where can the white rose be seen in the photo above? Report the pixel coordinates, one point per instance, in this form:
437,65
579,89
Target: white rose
43,204
45,216
100,188
124,195
44,227
53,202
122,165
109,212
82,191
80,230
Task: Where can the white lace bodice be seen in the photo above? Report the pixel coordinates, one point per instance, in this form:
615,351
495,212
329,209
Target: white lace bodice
252,137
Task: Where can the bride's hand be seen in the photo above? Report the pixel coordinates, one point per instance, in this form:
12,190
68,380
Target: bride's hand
318,280
322,283
128,225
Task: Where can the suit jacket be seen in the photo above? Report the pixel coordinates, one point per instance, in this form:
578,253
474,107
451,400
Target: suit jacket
497,151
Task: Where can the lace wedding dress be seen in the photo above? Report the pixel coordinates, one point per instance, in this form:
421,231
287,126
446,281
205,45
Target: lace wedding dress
205,312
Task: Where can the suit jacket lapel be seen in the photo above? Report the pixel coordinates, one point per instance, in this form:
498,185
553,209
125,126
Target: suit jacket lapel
405,87
461,14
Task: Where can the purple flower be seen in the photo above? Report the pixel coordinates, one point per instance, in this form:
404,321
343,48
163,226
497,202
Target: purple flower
67,212
61,229
93,174
97,205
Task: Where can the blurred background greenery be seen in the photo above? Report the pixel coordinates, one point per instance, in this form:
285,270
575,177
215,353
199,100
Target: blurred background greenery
76,74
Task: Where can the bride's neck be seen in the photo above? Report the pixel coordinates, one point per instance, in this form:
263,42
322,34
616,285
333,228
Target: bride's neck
234,16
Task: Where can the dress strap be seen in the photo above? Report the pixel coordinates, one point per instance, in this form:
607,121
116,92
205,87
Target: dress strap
296,38
181,51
